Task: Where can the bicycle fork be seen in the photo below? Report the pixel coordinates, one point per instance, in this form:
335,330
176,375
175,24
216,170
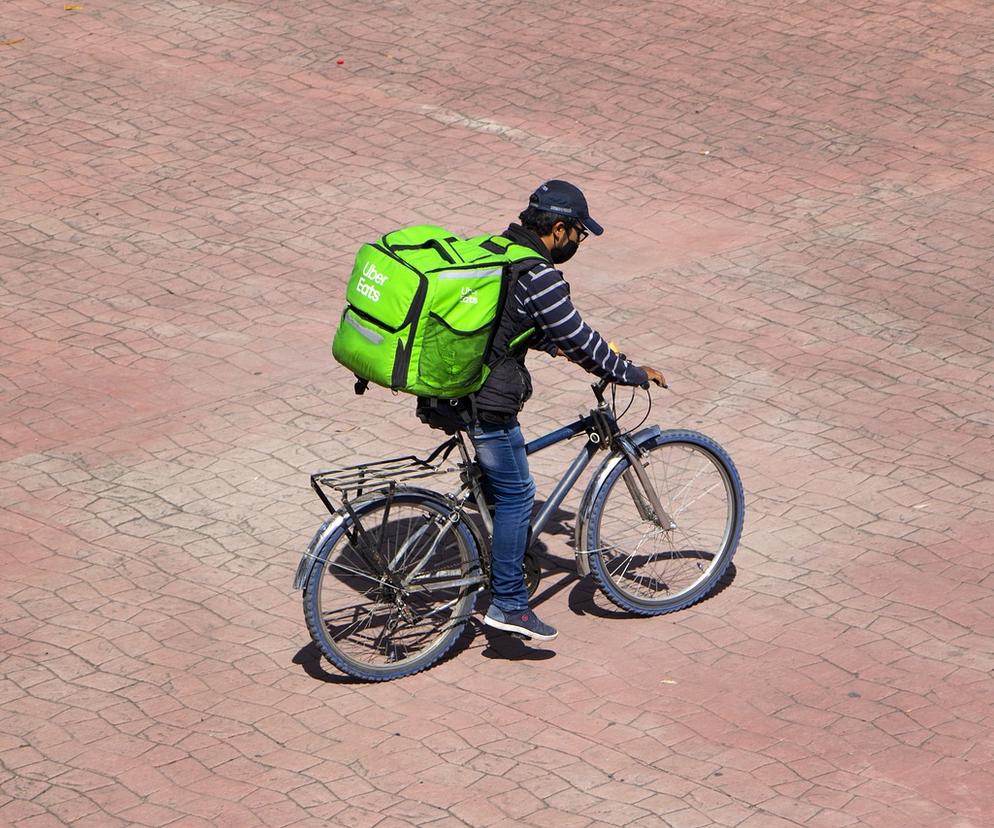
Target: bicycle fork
649,507
627,448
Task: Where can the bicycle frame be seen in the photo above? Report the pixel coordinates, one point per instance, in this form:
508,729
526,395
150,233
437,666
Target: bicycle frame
562,489
603,433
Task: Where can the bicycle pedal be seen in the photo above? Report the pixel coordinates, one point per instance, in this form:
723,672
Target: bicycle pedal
519,636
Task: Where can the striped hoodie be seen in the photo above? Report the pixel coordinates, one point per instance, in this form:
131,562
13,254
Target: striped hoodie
541,298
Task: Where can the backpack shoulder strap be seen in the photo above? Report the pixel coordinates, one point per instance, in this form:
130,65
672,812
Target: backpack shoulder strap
513,251
521,260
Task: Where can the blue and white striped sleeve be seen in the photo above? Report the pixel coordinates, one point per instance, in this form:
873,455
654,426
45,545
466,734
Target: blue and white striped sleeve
545,297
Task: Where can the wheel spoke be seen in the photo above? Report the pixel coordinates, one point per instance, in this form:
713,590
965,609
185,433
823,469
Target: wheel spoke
649,569
379,627
353,571
356,625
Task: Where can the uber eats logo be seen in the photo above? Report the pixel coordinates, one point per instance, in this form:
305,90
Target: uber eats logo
370,278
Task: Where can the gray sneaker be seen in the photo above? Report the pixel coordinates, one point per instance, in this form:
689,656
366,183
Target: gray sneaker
523,622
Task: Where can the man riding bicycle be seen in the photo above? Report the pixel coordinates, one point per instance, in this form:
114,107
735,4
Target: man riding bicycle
554,224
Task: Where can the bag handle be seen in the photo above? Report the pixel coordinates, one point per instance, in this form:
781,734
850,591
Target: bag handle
436,243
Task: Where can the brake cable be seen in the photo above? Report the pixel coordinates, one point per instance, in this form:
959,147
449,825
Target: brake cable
648,409
614,407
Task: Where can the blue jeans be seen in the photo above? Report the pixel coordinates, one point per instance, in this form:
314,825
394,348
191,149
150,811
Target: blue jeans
508,486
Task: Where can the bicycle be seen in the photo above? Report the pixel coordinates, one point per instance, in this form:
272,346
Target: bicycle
391,578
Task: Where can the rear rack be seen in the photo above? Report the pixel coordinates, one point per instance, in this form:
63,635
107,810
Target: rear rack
380,475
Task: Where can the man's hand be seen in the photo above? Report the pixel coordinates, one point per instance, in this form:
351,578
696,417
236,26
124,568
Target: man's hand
655,376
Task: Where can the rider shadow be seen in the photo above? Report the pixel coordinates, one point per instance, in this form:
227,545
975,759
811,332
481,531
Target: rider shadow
502,645
560,522
581,598
557,522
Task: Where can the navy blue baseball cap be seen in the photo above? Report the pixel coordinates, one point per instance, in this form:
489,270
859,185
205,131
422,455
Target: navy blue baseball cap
564,199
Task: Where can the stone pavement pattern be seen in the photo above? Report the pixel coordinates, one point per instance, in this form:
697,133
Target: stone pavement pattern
798,202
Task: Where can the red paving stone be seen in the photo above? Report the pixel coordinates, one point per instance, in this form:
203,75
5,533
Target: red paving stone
798,208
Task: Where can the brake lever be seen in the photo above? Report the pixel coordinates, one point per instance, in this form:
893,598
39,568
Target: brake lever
645,385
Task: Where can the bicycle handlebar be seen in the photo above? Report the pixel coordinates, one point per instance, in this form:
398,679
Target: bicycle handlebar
601,385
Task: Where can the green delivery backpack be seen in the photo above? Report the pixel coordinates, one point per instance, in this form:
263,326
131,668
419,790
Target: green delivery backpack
422,309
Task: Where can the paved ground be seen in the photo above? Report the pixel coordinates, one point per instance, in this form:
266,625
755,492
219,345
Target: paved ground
798,202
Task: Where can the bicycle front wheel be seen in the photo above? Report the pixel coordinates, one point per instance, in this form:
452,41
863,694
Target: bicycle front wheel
652,566
391,589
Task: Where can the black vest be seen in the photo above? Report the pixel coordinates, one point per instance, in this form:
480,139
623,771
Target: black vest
509,384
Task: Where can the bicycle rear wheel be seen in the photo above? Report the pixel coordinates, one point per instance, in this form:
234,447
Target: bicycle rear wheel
649,569
391,589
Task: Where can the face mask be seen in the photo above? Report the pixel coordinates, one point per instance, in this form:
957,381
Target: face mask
564,253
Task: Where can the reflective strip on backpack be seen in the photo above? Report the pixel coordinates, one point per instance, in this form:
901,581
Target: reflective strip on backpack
470,274
372,336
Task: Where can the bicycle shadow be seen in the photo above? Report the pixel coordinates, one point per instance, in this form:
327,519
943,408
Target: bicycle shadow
501,645
581,598
309,658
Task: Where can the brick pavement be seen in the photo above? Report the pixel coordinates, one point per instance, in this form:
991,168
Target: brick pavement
797,199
